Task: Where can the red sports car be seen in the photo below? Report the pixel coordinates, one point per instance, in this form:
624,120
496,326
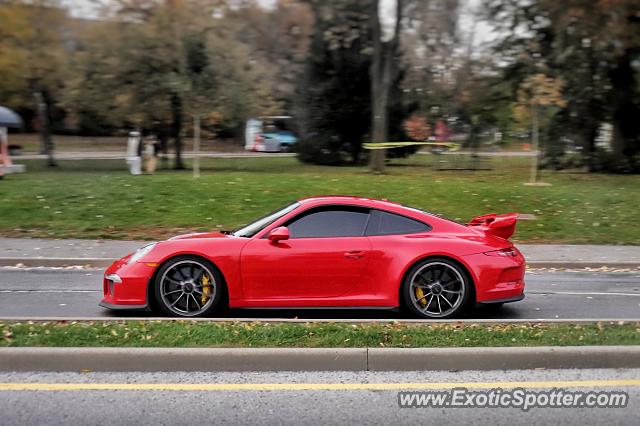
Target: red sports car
330,251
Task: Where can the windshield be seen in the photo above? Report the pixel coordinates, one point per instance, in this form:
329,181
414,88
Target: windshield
253,228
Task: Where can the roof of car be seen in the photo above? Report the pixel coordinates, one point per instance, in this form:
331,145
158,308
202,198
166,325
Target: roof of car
398,208
349,199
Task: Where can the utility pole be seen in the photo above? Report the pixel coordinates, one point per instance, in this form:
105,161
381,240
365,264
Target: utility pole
535,141
196,146
535,145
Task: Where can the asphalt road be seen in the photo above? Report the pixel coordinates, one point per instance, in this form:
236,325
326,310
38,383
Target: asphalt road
273,398
550,295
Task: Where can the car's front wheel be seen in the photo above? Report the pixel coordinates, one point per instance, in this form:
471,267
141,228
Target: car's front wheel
437,288
188,286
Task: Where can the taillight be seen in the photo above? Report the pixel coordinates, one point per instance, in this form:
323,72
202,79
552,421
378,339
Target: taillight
508,252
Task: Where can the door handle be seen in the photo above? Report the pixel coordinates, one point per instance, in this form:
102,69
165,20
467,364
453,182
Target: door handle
355,254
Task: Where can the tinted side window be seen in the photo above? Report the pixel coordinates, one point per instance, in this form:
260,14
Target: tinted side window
385,223
330,223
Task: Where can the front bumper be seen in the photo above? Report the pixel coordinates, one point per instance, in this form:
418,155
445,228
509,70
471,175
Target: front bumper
113,307
125,286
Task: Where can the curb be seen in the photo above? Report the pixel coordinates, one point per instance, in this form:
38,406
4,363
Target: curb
102,262
182,359
503,358
570,264
315,359
412,321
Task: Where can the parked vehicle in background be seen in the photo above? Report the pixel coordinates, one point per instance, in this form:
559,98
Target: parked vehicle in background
269,134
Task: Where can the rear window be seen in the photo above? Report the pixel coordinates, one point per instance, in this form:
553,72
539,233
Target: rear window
385,223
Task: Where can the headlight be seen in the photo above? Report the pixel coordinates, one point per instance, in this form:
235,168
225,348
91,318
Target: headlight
140,253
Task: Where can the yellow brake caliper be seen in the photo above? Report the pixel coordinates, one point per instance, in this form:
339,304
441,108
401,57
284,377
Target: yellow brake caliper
206,288
420,296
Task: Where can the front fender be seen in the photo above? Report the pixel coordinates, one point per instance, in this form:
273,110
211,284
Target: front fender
223,253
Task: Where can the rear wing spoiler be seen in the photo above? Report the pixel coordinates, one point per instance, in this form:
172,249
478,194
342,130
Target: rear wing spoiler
503,225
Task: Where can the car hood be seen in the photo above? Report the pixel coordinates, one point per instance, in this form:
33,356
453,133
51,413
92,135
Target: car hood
215,234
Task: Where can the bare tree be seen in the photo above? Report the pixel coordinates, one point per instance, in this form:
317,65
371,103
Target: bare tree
383,71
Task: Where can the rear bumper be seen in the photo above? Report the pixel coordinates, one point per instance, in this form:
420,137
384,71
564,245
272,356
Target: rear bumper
507,300
498,279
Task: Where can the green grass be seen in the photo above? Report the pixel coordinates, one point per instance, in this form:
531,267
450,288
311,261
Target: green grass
257,334
98,199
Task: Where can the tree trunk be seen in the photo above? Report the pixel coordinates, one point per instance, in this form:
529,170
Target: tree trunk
625,112
176,128
379,126
177,97
46,141
160,129
382,71
587,135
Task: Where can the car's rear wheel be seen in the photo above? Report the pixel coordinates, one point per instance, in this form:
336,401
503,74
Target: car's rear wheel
188,286
437,288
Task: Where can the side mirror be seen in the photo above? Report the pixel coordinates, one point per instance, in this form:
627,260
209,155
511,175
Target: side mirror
279,234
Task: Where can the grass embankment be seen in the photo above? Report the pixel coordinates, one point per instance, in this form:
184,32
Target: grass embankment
98,199
208,334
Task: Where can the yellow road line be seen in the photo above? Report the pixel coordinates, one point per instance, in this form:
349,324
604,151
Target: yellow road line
208,387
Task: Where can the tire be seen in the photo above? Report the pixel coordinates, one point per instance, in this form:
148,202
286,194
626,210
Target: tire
437,298
179,287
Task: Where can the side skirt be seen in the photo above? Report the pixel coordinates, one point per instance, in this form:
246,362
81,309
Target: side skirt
319,308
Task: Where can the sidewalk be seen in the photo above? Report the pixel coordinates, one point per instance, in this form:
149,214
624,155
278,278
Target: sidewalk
121,155
100,253
99,155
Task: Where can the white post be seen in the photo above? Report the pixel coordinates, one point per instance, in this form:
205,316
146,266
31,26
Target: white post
196,146
133,157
